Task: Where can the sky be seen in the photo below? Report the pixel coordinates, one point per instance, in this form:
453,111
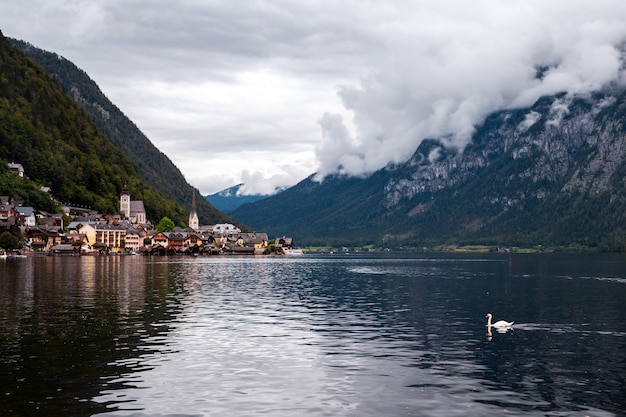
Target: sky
268,92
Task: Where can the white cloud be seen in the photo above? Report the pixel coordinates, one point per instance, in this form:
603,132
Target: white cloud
274,90
558,110
440,77
531,118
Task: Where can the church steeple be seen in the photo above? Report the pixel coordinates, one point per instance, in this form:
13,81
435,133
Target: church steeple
194,223
125,202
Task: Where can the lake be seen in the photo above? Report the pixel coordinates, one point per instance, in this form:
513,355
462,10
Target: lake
359,334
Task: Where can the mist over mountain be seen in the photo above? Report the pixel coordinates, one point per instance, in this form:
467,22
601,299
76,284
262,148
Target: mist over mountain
449,70
553,173
229,199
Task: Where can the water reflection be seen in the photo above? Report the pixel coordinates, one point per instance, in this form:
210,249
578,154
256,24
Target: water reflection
313,336
335,338
65,323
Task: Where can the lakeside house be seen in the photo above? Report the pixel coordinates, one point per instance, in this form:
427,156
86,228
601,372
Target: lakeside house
126,233
114,235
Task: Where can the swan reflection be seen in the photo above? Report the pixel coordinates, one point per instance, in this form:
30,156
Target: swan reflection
501,326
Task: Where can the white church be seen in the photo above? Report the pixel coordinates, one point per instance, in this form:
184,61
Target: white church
194,222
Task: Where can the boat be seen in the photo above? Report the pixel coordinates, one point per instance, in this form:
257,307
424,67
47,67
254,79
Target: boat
89,250
14,254
292,252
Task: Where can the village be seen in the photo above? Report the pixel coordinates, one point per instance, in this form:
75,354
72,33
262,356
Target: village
93,233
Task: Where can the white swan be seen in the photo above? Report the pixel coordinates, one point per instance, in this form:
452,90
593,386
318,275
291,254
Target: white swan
500,324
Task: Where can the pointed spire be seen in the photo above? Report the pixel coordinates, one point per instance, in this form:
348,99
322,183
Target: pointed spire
193,215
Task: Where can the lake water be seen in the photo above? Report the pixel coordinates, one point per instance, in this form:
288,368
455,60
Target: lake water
318,335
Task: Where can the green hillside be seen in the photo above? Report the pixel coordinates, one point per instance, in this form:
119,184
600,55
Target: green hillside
154,167
58,146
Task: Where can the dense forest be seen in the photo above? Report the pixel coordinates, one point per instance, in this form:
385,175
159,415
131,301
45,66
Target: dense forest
154,167
59,147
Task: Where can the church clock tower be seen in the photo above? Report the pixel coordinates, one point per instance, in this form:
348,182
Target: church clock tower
125,202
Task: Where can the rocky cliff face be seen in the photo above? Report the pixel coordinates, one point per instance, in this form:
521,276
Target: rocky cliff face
551,174
562,145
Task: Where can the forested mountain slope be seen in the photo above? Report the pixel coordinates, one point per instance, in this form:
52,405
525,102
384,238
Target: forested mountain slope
58,146
154,167
552,174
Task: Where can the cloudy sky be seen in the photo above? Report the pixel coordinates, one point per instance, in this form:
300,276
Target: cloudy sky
267,92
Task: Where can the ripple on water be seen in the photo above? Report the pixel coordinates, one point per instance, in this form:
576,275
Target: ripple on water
358,336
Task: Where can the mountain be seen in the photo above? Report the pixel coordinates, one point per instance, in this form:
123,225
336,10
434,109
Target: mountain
553,174
154,167
50,136
227,200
